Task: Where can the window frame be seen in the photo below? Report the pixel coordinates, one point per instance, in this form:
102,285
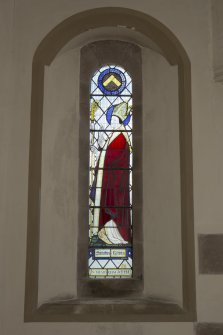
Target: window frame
175,54
128,56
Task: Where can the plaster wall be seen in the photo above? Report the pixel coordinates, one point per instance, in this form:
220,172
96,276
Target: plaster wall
23,25
161,179
59,189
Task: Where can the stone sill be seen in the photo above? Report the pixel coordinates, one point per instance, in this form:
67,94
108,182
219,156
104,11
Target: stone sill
110,310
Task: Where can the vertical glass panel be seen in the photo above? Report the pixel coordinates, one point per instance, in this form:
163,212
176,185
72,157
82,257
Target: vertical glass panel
110,174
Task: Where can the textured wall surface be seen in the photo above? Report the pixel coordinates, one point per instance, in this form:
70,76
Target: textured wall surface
23,25
211,254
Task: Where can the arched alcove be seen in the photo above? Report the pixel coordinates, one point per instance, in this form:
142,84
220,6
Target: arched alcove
168,45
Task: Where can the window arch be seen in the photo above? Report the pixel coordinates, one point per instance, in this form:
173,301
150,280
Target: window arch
175,54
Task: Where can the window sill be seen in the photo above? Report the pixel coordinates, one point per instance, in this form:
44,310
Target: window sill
109,310
109,288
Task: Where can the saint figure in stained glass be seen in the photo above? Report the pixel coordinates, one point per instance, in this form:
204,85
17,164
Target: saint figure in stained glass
110,192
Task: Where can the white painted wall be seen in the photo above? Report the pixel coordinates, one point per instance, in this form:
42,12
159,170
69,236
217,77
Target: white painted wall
161,179
23,25
59,186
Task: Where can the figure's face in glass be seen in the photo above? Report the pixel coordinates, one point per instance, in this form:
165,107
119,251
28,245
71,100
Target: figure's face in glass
115,122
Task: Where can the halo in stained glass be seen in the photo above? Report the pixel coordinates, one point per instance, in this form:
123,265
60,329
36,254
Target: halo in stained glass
112,81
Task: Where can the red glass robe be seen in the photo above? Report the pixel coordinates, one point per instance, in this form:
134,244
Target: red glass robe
115,187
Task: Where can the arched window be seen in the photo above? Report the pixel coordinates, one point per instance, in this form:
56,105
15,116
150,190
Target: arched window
111,118
111,152
59,284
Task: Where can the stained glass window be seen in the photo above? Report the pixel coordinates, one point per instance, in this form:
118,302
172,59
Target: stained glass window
110,176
